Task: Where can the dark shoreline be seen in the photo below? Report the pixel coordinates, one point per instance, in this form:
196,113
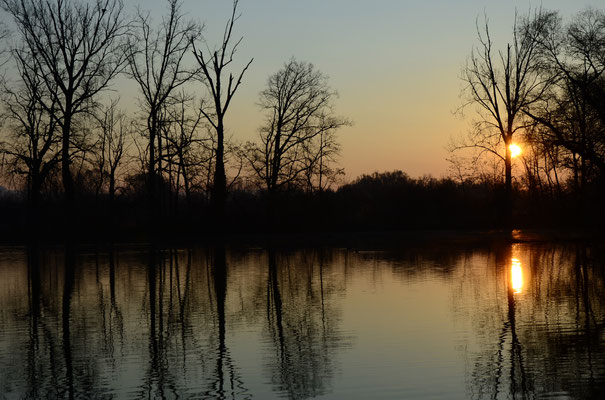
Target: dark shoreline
352,240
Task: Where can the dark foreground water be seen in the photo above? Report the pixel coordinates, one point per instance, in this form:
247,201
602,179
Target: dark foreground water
436,321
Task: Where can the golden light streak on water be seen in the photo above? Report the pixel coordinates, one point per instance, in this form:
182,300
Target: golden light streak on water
516,275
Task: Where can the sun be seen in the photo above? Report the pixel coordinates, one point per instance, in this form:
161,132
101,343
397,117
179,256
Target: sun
515,150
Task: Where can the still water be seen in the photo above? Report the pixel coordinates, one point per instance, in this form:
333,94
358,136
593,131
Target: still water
443,321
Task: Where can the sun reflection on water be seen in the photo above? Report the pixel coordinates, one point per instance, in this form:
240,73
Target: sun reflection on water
516,276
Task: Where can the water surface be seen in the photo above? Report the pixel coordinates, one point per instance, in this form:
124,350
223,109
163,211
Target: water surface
425,322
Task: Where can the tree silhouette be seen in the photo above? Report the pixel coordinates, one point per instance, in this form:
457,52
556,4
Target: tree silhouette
74,49
298,102
112,146
156,61
187,151
213,65
32,145
573,112
502,85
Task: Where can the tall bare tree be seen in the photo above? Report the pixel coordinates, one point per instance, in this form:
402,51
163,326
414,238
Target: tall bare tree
32,140
321,156
502,84
157,62
111,147
574,111
185,145
214,68
298,102
75,49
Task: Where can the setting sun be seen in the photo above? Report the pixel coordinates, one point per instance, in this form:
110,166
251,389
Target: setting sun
515,150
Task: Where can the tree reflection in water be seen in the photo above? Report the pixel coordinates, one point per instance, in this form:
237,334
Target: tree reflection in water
188,353
302,324
550,334
35,369
149,322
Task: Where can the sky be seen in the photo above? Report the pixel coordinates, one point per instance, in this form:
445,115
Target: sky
395,64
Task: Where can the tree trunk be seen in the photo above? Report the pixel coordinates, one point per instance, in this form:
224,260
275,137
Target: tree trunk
68,183
185,186
276,162
159,181
508,183
34,199
151,180
219,188
112,188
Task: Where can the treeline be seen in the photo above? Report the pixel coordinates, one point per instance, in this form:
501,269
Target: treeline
69,147
390,201
542,93
78,161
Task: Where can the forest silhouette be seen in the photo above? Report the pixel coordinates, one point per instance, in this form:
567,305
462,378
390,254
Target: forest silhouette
73,160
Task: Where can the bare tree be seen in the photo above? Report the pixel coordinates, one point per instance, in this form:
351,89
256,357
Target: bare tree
185,145
234,160
502,84
542,162
112,145
214,65
75,49
321,155
573,111
156,60
5,47
32,140
298,102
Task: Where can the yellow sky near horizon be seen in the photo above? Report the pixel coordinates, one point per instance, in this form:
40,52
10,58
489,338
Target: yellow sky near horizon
395,64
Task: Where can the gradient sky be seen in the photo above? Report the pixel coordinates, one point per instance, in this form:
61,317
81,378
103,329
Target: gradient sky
395,64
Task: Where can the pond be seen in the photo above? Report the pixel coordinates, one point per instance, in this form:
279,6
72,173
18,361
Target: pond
433,321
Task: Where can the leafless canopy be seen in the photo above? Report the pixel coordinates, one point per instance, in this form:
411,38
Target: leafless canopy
502,84
111,145
157,62
75,49
213,71
32,142
574,111
298,102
